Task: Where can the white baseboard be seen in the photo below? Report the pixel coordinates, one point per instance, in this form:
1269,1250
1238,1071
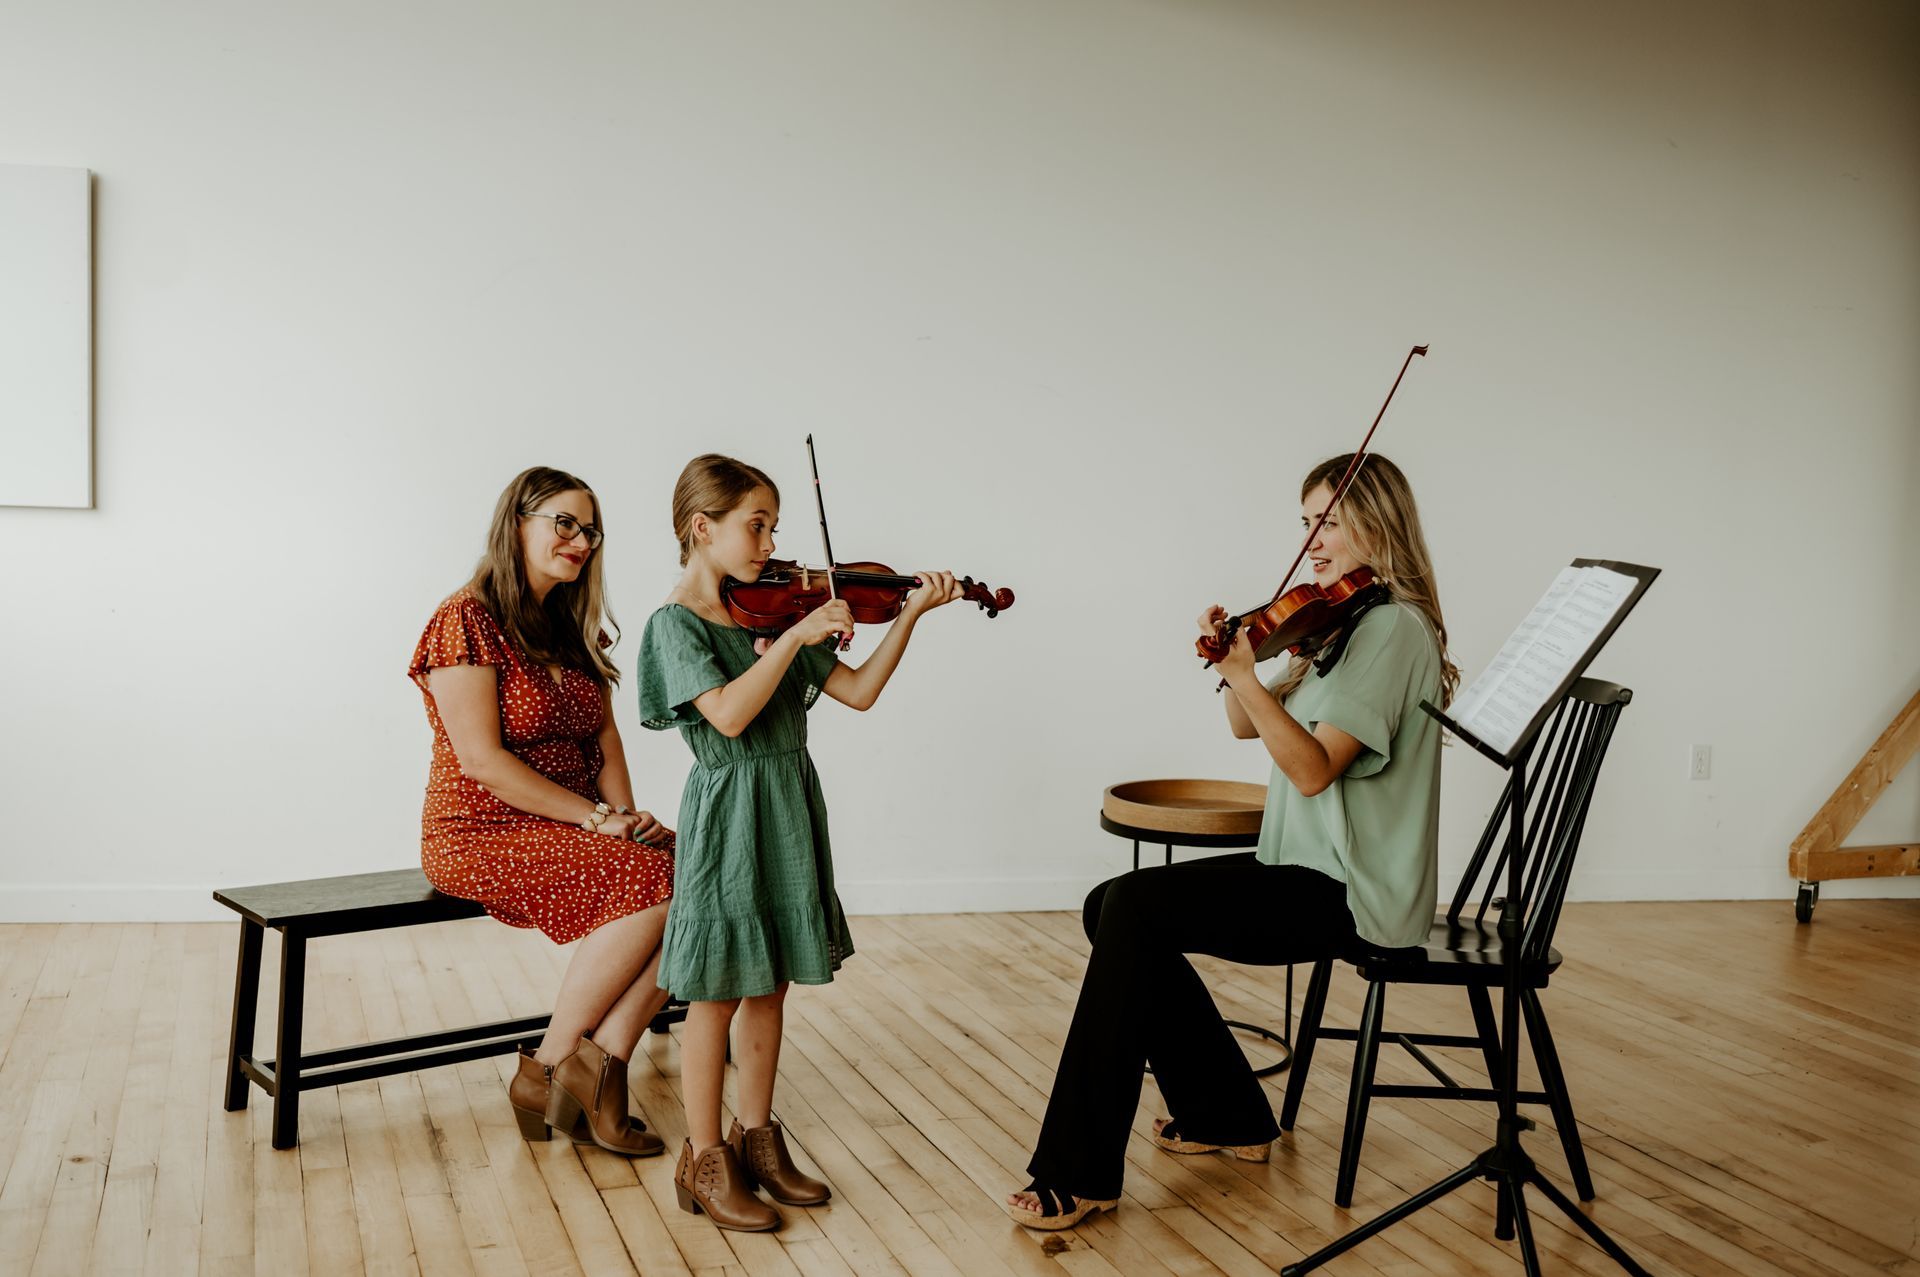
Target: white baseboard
111,904
963,895
65,903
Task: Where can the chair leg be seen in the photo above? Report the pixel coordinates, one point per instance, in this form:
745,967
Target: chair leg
1310,1013
246,996
1366,1054
1558,1100
1488,1029
286,1059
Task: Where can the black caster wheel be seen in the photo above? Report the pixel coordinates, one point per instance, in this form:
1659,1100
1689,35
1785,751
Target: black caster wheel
1804,902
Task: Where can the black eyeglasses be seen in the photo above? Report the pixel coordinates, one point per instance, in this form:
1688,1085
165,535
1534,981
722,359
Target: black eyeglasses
566,527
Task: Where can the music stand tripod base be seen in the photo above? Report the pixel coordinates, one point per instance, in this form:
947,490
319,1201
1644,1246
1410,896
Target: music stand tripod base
1506,1164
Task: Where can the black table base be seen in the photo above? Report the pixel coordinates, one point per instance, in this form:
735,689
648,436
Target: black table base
1282,1040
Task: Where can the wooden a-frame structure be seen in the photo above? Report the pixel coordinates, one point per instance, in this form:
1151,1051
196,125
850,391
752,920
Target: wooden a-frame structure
1816,855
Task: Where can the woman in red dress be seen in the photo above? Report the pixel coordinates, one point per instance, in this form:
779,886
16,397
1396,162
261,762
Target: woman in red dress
529,807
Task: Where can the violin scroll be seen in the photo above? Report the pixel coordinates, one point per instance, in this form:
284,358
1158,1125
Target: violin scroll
993,602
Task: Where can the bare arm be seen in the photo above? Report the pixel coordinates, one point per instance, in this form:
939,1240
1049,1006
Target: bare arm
1311,760
860,687
1237,720
616,785
731,706
468,698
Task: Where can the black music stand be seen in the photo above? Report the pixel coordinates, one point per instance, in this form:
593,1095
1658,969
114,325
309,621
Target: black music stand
1507,1164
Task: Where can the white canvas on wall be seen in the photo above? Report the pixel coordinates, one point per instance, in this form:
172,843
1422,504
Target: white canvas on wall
46,336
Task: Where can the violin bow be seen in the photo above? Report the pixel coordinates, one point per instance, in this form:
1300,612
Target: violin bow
841,641
1340,489
1353,468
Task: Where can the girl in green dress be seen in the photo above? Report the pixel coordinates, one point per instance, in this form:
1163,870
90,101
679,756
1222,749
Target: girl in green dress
754,907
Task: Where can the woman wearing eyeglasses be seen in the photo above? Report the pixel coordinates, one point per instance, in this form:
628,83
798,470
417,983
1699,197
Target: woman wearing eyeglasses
529,808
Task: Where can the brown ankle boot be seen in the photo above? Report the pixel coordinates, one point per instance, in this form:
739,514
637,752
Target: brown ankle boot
589,1088
528,1094
763,1156
713,1183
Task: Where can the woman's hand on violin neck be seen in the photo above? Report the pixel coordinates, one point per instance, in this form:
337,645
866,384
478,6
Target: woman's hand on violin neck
937,589
1237,665
832,617
1212,619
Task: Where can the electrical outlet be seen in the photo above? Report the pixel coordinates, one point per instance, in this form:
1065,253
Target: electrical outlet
1700,763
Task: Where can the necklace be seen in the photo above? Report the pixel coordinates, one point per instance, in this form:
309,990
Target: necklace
705,609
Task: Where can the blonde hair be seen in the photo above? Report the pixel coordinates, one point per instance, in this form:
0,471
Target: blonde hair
713,485
565,629
1382,527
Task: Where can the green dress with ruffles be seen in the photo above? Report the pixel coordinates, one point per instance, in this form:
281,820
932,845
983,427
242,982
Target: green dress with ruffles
753,898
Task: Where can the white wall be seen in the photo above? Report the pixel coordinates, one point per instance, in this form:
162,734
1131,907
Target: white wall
1071,294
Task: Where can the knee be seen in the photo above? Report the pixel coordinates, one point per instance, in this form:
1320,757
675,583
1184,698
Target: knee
1127,900
768,1001
719,1009
1114,902
1096,901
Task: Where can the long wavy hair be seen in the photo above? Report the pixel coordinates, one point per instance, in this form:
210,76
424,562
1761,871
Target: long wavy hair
713,484
1382,526
567,628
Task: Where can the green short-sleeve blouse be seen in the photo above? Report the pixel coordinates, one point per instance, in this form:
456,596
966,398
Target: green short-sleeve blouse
1377,827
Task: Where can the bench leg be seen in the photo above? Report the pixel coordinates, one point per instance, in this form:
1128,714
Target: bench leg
246,996
286,1061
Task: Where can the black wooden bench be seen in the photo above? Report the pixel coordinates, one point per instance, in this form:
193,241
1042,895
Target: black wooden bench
300,911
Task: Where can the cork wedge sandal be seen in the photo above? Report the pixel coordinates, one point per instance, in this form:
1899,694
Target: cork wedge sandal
1167,1135
1058,1210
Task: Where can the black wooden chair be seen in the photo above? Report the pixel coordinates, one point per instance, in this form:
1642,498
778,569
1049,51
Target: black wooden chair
1464,949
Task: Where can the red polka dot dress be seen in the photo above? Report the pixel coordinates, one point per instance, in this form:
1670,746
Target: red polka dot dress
527,870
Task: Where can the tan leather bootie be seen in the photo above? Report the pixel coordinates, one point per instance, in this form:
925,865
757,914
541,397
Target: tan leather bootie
528,1094
588,1096
712,1183
763,1156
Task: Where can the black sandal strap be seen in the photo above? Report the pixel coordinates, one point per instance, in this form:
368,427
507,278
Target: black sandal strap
1050,1200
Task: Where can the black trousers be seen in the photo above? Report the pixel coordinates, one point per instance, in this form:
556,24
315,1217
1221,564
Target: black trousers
1142,1002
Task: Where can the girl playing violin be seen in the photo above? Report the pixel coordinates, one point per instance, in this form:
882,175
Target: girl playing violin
754,905
1347,857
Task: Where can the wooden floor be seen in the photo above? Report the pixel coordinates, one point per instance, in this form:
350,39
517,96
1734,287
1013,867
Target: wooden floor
1748,1090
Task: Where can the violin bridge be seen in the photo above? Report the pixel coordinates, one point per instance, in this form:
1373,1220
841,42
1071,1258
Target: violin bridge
806,578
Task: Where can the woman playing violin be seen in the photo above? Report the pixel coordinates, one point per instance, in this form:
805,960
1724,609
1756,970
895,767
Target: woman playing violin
1347,859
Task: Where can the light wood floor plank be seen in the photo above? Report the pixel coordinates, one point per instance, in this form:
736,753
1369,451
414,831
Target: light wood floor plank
1748,1093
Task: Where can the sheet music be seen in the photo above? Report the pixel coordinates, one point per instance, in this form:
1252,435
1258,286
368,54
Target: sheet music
1540,653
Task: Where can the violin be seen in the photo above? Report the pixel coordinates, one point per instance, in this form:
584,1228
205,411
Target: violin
1295,618
786,591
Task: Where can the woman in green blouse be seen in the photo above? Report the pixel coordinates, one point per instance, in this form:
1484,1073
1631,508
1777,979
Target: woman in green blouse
1346,859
